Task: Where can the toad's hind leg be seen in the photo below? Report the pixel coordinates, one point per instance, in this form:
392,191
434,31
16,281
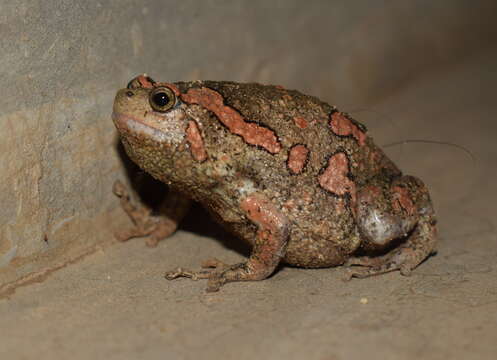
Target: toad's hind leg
404,210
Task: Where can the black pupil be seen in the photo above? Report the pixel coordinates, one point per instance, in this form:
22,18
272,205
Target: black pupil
161,99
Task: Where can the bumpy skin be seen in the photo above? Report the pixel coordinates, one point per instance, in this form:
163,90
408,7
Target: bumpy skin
296,178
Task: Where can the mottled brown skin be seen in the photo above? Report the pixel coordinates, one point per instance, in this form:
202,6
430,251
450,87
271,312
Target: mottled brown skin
290,174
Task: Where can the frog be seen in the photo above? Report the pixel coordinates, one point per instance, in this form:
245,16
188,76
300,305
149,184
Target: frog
299,180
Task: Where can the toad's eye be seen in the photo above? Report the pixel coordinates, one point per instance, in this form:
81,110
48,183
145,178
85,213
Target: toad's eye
162,99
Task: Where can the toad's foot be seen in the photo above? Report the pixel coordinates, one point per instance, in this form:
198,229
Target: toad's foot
366,266
154,228
419,245
218,273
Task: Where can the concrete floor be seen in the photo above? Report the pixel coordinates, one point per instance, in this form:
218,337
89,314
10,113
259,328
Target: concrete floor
115,304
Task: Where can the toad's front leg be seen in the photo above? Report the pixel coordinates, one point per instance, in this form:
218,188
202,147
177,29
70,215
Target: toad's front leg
269,247
172,210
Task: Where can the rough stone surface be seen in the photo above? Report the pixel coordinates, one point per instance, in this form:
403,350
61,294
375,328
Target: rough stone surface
421,70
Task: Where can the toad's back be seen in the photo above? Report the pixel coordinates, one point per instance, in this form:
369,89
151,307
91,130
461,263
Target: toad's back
303,154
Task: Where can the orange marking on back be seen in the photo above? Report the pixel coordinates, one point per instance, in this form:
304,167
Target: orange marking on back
334,178
343,126
196,142
297,158
251,133
300,122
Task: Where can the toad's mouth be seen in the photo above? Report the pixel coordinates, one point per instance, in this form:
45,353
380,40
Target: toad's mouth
165,132
127,124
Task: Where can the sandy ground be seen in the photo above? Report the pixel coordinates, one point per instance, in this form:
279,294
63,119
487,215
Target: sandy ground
115,303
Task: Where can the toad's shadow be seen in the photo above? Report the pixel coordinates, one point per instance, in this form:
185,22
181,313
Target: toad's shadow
151,192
